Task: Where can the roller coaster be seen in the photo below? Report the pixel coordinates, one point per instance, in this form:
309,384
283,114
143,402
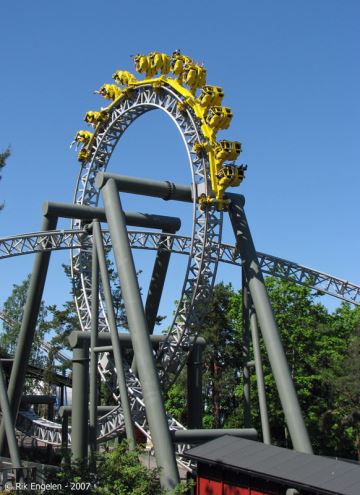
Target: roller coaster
177,86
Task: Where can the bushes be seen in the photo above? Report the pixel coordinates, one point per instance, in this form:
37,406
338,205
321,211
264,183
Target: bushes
118,472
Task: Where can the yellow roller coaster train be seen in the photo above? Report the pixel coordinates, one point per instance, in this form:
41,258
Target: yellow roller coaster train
188,80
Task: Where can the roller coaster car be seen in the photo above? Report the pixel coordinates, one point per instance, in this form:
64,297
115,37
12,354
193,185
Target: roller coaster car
153,63
201,149
178,63
123,77
211,96
142,63
95,118
160,62
83,137
83,155
231,175
227,150
194,76
110,91
219,117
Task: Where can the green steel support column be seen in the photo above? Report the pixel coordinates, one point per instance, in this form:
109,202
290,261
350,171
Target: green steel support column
155,411
278,362
115,342
88,213
194,386
246,350
49,449
205,435
28,327
62,394
155,289
80,403
39,399
8,423
65,431
93,355
260,378
104,340
157,283
147,187
51,411
100,409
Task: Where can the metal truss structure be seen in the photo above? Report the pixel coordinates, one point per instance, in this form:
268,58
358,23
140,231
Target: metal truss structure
206,232
212,170
270,265
205,239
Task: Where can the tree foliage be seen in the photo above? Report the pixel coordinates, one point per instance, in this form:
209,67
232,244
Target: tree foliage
13,312
118,472
4,155
316,344
221,329
341,421
222,356
322,350
62,322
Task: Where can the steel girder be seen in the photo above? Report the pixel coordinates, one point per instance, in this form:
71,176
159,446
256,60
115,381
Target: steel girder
270,265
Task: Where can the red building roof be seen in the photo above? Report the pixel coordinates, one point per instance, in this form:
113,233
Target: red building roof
320,475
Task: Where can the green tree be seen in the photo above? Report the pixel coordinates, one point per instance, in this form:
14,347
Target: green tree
118,472
347,402
175,399
4,155
341,422
13,311
321,350
62,322
222,361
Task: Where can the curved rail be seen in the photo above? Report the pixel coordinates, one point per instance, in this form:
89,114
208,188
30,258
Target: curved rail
201,267
270,265
206,223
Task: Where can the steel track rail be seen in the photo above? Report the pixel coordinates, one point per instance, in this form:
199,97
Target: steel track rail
270,265
206,225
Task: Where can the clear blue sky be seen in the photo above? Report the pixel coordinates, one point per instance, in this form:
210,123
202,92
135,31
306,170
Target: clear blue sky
290,72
